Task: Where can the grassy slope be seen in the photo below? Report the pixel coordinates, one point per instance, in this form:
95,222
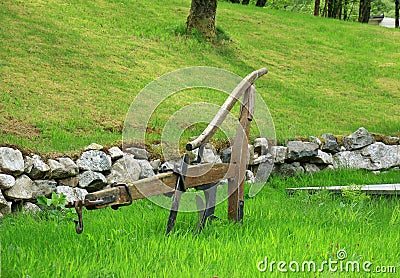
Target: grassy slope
130,242
70,70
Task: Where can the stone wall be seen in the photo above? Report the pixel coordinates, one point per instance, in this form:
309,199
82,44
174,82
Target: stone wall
24,178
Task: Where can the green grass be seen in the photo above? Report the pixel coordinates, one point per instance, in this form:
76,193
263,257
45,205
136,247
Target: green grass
71,70
130,242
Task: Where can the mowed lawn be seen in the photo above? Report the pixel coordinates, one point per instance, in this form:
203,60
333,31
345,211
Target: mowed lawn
130,242
70,71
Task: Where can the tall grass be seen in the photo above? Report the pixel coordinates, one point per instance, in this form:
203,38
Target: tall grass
130,242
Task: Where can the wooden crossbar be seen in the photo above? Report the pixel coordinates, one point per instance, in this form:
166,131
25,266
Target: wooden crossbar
160,184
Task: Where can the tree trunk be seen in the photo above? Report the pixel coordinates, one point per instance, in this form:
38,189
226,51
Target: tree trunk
316,7
396,15
245,2
202,17
331,3
339,9
261,3
364,11
345,9
324,10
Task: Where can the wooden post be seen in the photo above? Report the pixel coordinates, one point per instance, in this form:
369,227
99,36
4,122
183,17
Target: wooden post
239,157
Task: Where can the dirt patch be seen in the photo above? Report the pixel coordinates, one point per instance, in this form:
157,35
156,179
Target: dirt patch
387,140
20,128
111,125
388,84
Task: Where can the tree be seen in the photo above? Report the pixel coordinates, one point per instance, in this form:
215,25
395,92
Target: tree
339,5
316,7
202,18
261,3
396,13
346,10
364,11
244,2
325,6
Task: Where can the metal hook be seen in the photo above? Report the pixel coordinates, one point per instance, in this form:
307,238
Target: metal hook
79,222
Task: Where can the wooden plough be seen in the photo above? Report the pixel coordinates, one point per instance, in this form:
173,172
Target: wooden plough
200,176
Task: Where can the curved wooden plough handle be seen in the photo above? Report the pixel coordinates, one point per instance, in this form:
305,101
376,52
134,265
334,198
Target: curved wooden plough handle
225,108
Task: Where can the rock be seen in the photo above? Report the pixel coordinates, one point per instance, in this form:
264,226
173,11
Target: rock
21,189
387,140
6,181
250,155
250,176
31,208
5,207
26,189
94,160
44,187
382,156
92,181
209,155
310,168
125,170
71,194
358,139
138,153
279,154
330,143
11,161
115,153
261,146
290,169
300,151
316,140
226,155
374,157
393,140
329,168
71,182
35,168
168,166
62,168
155,164
322,158
351,160
262,159
94,147
146,169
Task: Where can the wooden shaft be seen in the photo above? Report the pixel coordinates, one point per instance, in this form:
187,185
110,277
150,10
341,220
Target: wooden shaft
161,184
225,108
239,155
